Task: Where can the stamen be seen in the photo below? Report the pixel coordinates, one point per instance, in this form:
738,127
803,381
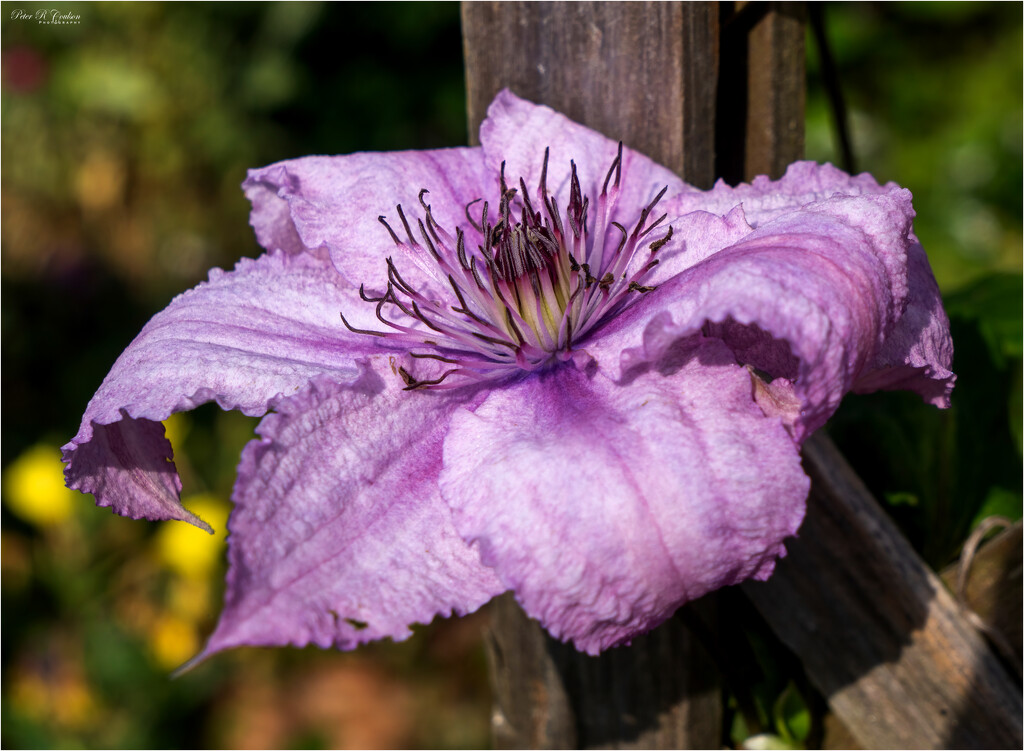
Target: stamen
354,330
405,223
391,232
616,168
473,224
658,244
527,294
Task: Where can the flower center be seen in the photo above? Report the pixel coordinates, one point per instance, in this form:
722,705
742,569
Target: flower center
538,280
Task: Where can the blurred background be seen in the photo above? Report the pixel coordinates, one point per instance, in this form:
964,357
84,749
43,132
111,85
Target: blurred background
126,133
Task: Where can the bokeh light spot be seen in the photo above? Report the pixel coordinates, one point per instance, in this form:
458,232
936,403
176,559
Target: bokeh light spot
34,487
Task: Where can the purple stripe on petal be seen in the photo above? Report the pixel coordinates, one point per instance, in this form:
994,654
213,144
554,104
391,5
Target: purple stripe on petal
339,535
239,339
606,506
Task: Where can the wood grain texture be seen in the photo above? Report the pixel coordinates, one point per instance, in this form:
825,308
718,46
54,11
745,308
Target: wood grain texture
876,630
760,112
644,73
661,692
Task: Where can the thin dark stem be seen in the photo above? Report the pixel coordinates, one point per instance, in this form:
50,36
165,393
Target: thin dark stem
830,77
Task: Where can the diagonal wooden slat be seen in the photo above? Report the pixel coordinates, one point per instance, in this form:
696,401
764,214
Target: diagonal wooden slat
877,632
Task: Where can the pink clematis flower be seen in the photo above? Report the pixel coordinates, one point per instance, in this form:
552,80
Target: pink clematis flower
544,365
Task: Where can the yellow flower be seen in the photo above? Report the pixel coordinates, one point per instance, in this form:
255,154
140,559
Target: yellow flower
173,640
187,550
177,427
34,487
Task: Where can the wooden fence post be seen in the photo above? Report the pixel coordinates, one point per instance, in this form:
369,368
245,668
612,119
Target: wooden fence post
645,73
876,632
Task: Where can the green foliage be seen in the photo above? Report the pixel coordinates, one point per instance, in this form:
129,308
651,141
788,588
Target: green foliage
942,472
933,91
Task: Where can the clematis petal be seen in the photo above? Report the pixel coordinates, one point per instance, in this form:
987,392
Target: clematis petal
764,199
517,132
918,352
339,535
824,283
335,202
239,339
605,506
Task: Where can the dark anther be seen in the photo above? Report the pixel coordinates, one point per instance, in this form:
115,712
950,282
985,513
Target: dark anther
544,175
616,168
419,314
430,245
405,223
504,187
467,312
636,287
476,273
606,281
573,265
365,298
391,232
553,213
412,383
528,207
433,226
575,194
506,202
577,212
354,330
460,248
398,303
476,226
397,279
657,244
433,357
622,242
653,226
458,293
493,340
647,212
512,325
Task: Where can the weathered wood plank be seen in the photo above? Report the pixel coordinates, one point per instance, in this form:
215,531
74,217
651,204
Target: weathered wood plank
644,73
775,91
662,692
762,85
876,630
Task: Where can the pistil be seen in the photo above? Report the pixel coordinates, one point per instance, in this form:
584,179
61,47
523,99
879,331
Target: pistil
532,287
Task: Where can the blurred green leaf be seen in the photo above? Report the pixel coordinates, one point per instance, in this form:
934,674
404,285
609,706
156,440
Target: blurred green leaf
112,85
792,717
999,502
995,303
